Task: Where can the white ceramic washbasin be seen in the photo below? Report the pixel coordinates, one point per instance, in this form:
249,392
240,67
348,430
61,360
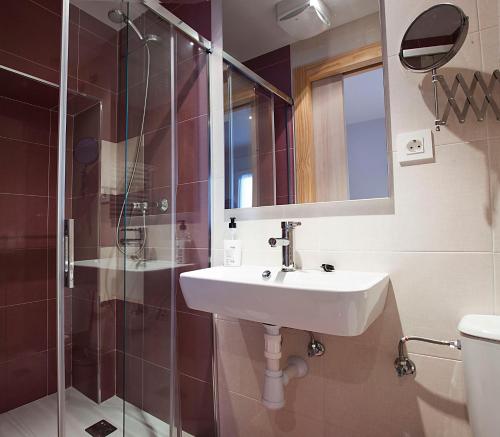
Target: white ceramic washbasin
337,303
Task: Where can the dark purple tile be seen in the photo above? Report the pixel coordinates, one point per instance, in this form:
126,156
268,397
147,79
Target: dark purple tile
98,28
23,276
73,54
192,207
108,374
275,67
26,329
157,159
24,122
156,391
24,168
107,326
3,337
85,371
186,48
158,109
197,407
129,378
32,371
280,125
21,64
86,152
24,89
85,213
129,328
153,24
23,22
3,386
157,333
193,150
109,103
192,88
195,346
53,5
281,173
157,288
84,324
86,283
98,60
195,14
51,324
52,369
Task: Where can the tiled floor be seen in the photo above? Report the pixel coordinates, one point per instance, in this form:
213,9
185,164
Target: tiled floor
39,418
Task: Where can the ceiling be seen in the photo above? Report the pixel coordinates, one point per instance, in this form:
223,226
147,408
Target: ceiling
250,27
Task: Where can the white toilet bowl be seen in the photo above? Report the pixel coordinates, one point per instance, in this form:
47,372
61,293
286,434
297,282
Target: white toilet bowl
481,358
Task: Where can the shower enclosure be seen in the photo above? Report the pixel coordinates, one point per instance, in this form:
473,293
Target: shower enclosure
104,185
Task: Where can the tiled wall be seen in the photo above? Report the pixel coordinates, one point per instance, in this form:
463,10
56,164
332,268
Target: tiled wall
440,248
27,294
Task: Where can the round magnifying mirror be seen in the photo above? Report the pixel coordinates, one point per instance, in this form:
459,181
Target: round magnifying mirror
434,38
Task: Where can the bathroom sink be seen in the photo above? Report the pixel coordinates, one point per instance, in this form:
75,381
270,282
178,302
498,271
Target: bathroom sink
338,303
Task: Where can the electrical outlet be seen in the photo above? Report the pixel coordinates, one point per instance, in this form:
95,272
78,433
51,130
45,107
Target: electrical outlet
415,147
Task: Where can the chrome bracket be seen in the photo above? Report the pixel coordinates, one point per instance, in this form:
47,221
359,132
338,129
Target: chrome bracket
470,101
315,348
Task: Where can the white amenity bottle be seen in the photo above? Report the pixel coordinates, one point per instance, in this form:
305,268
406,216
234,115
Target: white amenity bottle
232,246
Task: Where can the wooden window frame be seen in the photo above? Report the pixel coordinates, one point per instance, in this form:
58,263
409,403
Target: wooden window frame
366,57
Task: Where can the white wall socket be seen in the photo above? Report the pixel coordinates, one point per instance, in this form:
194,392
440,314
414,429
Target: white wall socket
415,147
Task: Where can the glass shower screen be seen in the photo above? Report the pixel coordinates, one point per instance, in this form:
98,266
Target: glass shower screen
137,166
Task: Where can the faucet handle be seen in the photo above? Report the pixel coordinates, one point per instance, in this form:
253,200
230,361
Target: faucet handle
290,225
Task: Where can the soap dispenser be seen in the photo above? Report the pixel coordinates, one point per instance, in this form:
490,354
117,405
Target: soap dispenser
232,246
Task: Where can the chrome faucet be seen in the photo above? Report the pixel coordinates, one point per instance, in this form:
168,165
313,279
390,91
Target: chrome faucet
286,243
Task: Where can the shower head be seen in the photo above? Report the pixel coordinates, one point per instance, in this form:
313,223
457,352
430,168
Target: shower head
117,16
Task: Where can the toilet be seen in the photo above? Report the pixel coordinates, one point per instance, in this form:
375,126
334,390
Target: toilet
481,359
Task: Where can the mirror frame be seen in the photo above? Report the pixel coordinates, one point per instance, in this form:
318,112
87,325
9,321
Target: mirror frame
376,206
464,28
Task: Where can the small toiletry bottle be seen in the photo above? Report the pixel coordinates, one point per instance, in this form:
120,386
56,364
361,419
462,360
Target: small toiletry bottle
232,246
182,238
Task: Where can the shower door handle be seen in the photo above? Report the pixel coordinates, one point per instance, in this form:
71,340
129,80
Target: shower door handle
69,253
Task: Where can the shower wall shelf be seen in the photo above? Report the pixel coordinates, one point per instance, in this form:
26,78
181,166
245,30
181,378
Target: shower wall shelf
479,110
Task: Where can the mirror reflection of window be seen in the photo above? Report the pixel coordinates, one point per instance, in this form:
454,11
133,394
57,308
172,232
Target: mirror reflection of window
365,132
249,143
245,190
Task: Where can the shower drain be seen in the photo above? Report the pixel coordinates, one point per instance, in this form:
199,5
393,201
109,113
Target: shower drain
101,429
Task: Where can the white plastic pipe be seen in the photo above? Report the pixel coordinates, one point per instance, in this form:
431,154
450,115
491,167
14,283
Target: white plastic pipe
275,379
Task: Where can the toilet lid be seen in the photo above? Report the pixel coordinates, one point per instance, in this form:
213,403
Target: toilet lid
481,326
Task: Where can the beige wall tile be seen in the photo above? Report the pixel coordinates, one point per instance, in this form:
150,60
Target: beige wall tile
364,397
245,417
441,206
488,12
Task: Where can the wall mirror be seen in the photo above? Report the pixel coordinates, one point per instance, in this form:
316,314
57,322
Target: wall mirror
434,38
305,102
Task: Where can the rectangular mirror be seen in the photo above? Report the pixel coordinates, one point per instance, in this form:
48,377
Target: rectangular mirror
305,103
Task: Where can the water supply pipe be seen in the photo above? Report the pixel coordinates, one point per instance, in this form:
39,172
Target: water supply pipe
275,378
